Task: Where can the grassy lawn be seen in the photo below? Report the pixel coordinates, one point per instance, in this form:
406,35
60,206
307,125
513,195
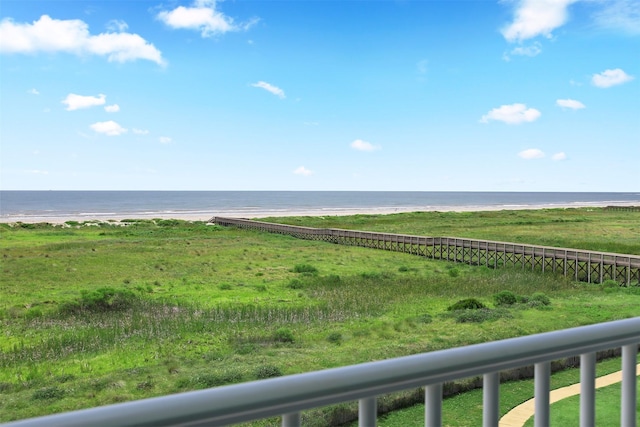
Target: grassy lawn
104,313
565,412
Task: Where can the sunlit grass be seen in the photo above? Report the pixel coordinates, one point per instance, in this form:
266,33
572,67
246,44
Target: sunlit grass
212,306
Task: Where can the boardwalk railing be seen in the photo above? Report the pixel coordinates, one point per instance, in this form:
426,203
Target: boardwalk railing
588,266
623,208
288,396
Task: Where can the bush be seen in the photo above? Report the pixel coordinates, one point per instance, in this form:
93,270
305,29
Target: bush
540,298
267,371
335,337
454,272
101,300
505,298
295,284
305,268
48,393
283,335
224,287
466,304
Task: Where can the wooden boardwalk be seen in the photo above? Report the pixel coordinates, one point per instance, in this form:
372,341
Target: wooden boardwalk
587,266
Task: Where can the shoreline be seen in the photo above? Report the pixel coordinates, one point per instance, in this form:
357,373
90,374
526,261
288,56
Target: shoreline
186,216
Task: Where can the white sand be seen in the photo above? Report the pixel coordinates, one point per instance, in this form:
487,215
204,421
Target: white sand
293,212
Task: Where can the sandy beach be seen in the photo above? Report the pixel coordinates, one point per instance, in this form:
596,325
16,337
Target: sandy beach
292,212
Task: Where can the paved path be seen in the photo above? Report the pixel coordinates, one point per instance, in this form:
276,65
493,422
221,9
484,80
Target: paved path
521,413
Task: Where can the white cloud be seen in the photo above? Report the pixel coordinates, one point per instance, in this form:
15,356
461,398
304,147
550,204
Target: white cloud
76,102
303,171
109,128
37,172
536,17
117,25
512,114
361,145
33,91
531,51
559,156
112,108
164,140
270,88
609,78
619,15
140,131
531,153
72,36
202,16
570,103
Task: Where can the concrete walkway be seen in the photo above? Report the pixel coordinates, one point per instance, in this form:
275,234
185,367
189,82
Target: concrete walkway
521,413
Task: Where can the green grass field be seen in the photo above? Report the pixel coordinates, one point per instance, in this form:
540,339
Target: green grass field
106,313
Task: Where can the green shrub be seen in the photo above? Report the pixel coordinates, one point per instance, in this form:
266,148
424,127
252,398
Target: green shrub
453,272
540,298
335,337
505,298
466,304
48,393
610,284
224,287
305,268
480,315
283,335
267,371
101,300
295,284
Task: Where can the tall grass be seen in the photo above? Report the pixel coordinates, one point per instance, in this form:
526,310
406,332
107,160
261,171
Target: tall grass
114,313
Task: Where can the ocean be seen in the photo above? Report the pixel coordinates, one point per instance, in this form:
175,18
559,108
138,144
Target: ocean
25,205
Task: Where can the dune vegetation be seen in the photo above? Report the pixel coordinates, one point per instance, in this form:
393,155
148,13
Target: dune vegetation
98,313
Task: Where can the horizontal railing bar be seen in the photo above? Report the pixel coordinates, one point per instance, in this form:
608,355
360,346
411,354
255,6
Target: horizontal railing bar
295,393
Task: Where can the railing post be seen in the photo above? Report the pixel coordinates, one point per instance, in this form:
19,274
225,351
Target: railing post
491,399
433,405
291,420
629,391
588,390
367,412
542,374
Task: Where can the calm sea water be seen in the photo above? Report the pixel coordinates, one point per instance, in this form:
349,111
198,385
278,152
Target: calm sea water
61,204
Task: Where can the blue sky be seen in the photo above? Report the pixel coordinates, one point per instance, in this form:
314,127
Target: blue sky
528,95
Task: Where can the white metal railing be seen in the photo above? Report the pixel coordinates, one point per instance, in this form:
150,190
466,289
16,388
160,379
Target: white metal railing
289,395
